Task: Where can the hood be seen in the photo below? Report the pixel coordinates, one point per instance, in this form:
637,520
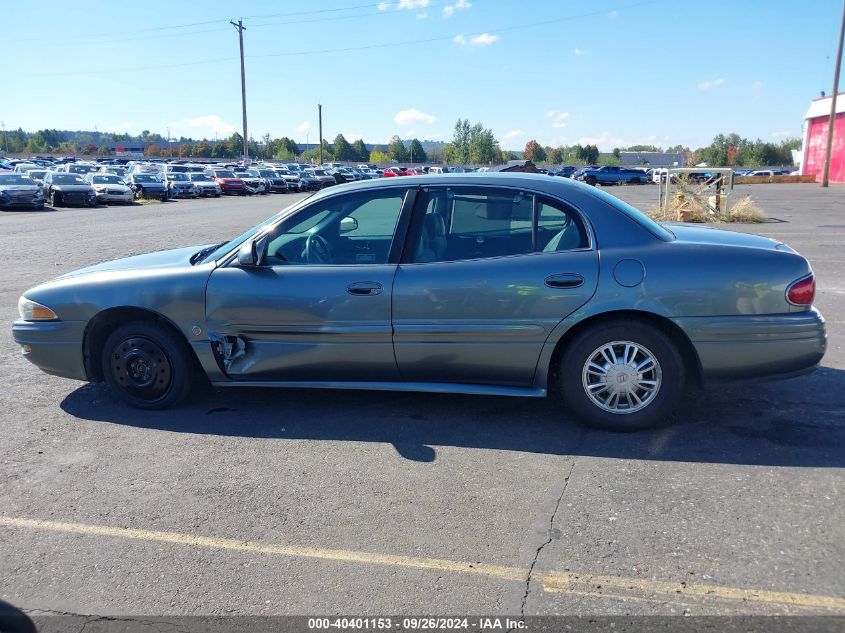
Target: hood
152,185
60,187
23,188
178,257
231,181
695,233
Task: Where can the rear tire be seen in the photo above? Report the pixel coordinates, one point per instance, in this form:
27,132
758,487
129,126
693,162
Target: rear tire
590,180
147,366
638,391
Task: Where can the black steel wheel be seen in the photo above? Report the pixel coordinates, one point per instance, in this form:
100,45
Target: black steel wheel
147,365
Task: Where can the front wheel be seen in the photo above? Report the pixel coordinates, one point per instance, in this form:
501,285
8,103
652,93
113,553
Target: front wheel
590,180
147,365
55,199
621,376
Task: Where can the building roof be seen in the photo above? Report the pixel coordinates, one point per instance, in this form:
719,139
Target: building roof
821,107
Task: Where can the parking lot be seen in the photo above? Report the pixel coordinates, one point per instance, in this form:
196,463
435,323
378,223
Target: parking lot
250,501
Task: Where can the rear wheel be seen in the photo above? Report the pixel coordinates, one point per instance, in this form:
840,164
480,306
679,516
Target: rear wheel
590,180
621,376
147,365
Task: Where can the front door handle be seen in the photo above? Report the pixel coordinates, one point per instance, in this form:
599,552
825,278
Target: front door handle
565,280
364,288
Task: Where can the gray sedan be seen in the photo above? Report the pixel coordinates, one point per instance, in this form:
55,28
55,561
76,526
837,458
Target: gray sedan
495,284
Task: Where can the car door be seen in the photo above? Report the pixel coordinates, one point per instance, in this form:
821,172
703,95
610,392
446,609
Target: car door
487,274
318,308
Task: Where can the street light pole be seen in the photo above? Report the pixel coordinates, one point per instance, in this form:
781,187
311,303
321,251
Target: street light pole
320,125
832,120
241,28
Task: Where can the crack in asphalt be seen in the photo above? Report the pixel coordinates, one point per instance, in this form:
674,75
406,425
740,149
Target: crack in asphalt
544,544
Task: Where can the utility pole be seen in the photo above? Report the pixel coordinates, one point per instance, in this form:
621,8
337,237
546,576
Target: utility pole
832,120
169,144
320,125
241,28
5,140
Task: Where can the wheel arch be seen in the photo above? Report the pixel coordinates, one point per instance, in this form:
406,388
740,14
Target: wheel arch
692,363
105,321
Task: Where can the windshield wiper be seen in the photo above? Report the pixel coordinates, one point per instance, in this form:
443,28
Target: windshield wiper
200,255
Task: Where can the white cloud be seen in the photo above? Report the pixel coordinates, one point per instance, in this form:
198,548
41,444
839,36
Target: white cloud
613,15
558,118
512,134
605,141
303,127
207,125
459,5
412,115
578,52
482,39
412,4
709,85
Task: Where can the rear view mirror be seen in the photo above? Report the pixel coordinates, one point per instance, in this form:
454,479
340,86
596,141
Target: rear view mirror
348,224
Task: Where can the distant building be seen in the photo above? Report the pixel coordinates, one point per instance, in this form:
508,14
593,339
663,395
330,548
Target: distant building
815,139
652,159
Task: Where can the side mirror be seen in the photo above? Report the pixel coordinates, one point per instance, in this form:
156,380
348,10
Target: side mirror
348,224
252,252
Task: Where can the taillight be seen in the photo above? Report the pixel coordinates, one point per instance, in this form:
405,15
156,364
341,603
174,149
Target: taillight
802,292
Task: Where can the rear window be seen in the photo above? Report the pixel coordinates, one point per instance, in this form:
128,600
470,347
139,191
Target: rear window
635,214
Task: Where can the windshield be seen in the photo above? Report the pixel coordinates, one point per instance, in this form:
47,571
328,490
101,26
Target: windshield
228,246
145,178
266,173
113,180
224,174
68,179
15,179
177,176
198,177
319,172
36,173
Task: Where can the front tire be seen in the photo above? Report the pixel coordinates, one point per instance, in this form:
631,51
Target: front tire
147,365
621,376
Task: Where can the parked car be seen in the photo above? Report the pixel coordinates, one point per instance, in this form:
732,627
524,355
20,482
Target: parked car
254,184
483,284
179,185
68,189
308,181
229,183
612,175
206,187
110,188
291,178
395,171
322,177
275,182
148,186
19,191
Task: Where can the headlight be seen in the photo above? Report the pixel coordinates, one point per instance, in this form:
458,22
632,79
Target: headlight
31,311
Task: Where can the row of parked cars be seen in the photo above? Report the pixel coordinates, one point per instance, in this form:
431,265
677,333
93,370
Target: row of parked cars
43,181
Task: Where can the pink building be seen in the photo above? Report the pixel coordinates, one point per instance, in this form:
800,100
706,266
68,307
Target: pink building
815,139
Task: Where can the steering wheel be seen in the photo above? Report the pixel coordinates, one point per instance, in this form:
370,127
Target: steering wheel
317,250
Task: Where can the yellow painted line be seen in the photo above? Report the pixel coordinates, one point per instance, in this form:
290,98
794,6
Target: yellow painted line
552,581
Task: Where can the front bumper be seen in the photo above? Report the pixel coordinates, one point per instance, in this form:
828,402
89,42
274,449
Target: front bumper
104,196
21,203
756,346
55,347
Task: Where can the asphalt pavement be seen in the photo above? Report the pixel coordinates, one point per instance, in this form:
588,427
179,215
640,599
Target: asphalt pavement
250,501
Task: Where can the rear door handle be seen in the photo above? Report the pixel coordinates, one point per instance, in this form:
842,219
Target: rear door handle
564,280
364,288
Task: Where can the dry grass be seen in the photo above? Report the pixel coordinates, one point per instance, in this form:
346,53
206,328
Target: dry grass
688,207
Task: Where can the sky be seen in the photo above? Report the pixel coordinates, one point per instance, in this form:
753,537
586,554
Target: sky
612,73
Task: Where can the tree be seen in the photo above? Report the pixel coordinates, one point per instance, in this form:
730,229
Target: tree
397,150
617,153
152,150
89,149
378,157
342,149
555,156
643,148
589,154
483,146
361,152
37,144
534,152
460,145
417,153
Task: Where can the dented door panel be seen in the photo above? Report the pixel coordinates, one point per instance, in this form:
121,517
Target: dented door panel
302,322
